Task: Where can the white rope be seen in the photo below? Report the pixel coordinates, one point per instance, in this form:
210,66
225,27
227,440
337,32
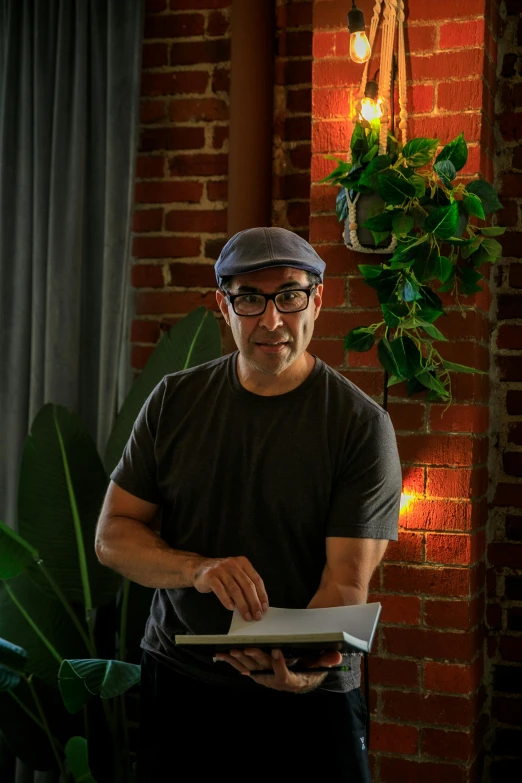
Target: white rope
393,19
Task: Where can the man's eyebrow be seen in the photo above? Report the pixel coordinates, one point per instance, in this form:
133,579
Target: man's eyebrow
248,289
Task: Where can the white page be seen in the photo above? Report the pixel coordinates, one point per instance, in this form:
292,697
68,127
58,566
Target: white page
358,621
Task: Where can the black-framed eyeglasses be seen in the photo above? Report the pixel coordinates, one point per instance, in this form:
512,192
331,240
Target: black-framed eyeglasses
291,301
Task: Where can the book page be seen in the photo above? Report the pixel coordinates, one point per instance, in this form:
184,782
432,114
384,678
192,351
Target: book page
358,621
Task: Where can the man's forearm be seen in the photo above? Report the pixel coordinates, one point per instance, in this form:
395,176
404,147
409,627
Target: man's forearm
333,594
133,550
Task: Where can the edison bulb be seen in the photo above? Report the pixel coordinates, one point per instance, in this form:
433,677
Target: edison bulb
370,109
360,49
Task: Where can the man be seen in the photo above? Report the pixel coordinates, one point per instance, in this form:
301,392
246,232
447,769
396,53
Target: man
279,484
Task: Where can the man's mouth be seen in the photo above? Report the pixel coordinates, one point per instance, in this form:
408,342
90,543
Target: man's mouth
272,346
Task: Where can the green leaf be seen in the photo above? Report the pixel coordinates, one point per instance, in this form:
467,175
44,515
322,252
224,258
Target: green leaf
431,300
385,285
80,679
15,553
341,205
13,660
381,222
456,152
468,275
432,331
402,225
486,193
359,339
395,190
493,231
419,152
473,206
407,356
467,250
386,358
379,237
370,271
193,340
419,183
493,248
425,265
444,269
77,757
341,170
452,367
429,314
443,221
409,291
376,167
371,154
446,171
405,255
393,313
431,382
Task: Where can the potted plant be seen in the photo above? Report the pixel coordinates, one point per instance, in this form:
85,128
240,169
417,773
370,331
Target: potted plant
69,627
442,240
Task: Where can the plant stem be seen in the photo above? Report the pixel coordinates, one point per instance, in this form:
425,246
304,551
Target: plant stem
33,625
46,727
68,608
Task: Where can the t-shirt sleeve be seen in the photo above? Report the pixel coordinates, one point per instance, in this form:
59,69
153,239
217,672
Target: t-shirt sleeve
136,471
366,495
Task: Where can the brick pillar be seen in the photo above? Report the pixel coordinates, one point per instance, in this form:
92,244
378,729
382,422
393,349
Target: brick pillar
427,669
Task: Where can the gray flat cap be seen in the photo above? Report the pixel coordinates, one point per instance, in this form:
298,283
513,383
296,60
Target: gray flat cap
259,248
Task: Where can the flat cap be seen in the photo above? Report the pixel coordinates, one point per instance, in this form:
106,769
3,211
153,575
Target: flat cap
259,248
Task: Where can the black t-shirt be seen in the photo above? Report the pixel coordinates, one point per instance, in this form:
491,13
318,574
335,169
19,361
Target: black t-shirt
269,478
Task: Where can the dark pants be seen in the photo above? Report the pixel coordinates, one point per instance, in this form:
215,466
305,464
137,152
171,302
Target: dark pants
196,729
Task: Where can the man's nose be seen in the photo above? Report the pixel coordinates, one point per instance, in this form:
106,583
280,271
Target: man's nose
271,319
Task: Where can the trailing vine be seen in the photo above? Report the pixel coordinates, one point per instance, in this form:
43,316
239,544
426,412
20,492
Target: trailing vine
442,240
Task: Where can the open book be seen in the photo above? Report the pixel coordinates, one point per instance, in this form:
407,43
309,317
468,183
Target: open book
342,628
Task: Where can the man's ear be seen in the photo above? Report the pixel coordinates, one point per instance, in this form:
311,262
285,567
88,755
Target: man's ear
223,305
318,299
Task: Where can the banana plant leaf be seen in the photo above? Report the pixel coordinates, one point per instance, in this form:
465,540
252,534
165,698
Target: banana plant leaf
49,616
61,490
195,339
13,660
15,553
79,680
77,757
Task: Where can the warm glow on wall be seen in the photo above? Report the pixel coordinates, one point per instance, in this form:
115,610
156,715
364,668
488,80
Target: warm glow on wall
406,502
370,109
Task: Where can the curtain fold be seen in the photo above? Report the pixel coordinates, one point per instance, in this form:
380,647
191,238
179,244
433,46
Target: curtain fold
69,109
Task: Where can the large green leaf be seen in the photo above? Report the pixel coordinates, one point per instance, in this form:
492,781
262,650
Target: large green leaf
369,271
402,224
381,222
60,458
15,553
409,290
456,152
193,340
394,189
486,193
376,167
430,381
419,152
443,221
473,206
79,680
407,356
359,339
453,367
77,757
446,171
493,231
13,660
341,205
387,358
394,313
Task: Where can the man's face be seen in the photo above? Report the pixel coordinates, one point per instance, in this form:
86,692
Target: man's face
273,341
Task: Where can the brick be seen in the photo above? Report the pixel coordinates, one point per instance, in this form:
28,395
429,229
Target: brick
447,127
420,39
299,101
514,527
399,609
328,103
507,494
140,354
290,72
508,65
453,678
338,324
154,55
462,64
324,228
511,648
421,98
509,555
174,83
394,671
292,186
174,26
511,187
457,745
369,382
507,679
152,6
199,52
455,549
456,483
152,112
428,580
197,221
145,331
163,302
461,615
298,215
147,276
515,275
509,306
334,292
464,95
390,738
510,368
394,769
219,136
330,351
294,15
459,418
511,243
217,191
336,73
218,24
514,402
322,198
427,708
296,43
514,619
165,247
514,588
507,743
510,211
512,464
408,548
213,247
439,449
458,35
509,337
361,295
297,129
445,9
193,275
198,110
474,325
198,165
177,5
510,124
172,139
507,710
149,166
515,433
412,478
407,415
425,643
163,192
147,220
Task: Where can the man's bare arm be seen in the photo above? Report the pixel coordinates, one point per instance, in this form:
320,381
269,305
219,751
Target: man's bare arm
126,543
350,563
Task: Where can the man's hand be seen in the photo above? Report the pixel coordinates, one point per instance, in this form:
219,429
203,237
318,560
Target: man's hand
235,582
283,678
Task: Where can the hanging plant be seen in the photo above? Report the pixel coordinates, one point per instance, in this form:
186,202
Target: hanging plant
442,241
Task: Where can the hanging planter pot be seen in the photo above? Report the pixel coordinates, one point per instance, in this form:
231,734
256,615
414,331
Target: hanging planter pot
366,205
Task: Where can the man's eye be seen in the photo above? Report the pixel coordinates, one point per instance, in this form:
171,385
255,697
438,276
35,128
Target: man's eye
251,299
288,296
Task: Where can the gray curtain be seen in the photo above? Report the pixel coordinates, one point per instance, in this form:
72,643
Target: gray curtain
69,98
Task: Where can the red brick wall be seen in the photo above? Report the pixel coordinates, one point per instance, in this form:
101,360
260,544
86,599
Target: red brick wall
427,671
180,217
505,547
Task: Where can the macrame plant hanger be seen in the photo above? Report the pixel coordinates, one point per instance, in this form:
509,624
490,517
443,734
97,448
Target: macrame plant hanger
393,20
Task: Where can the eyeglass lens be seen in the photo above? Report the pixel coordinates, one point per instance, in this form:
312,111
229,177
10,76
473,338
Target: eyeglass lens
286,302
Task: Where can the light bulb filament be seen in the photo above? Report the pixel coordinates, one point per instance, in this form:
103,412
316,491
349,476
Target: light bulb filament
360,49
